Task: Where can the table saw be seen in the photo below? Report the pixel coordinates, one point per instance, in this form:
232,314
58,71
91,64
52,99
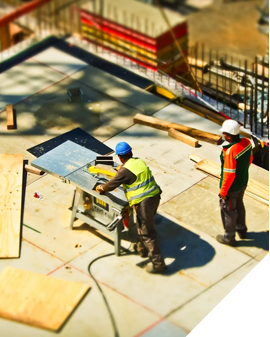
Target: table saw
71,162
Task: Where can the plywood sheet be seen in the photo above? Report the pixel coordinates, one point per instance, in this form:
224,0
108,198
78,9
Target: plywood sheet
38,300
11,174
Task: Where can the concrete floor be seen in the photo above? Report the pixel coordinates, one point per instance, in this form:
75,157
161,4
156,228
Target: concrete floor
201,271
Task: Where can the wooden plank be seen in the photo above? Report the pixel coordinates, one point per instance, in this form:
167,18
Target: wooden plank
32,169
11,175
38,300
10,117
183,137
255,189
165,126
103,169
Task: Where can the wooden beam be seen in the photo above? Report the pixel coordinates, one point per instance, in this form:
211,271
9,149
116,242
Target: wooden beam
22,10
32,169
11,174
183,137
254,189
10,117
165,126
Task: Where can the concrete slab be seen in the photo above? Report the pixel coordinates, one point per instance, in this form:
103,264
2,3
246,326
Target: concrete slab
91,317
120,90
60,61
50,113
25,80
33,259
195,261
51,217
203,197
236,306
165,328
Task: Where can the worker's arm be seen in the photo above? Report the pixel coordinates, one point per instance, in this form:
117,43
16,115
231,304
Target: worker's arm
229,170
123,176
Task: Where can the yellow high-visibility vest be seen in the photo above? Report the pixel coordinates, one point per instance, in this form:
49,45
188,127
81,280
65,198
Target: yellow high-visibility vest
145,185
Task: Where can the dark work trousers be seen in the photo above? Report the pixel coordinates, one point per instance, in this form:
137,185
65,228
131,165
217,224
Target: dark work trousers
147,235
233,213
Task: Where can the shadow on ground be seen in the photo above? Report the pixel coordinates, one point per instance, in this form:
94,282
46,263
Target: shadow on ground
255,239
184,248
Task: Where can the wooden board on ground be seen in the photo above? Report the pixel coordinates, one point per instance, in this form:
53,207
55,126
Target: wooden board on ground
165,126
38,300
10,117
11,175
183,137
255,189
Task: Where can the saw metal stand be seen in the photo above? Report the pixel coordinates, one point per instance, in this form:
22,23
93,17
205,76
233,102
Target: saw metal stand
78,213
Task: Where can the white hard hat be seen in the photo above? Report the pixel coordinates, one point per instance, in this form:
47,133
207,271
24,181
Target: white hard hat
230,126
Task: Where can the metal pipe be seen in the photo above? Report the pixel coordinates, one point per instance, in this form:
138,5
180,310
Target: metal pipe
245,102
256,93
262,99
22,10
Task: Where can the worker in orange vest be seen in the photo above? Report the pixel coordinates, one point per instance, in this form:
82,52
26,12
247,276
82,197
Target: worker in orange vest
236,158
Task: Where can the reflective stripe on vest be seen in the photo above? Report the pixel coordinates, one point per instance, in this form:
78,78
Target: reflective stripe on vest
144,186
143,194
140,185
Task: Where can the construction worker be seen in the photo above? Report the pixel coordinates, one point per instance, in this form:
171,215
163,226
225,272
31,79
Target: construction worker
236,158
143,195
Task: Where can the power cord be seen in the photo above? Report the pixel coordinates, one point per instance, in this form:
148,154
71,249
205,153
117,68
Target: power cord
127,251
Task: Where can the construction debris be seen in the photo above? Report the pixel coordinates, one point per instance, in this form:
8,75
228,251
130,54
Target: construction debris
165,126
10,117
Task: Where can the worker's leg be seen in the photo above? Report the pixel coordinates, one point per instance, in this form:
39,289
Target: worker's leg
241,227
241,212
229,215
146,229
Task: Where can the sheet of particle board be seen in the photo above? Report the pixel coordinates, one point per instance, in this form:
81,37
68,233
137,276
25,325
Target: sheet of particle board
38,300
11,175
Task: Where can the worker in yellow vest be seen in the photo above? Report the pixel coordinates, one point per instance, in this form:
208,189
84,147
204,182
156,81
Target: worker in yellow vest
143,194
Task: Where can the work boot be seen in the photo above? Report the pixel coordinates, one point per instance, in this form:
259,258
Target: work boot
150,268
225,241
242,233
140,250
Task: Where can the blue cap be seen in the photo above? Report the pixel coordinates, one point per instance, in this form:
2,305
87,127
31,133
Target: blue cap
122,148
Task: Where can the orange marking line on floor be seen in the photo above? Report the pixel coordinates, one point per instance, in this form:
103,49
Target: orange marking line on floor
106,285
46,65
149,327
193,279
45,251
150,310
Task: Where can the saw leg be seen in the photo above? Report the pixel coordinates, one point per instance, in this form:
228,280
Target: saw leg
75,202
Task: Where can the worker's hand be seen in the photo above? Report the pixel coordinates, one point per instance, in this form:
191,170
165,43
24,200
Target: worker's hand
222,196
100,189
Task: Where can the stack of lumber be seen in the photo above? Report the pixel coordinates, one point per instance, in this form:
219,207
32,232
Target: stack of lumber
138,32
183,133
255,189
